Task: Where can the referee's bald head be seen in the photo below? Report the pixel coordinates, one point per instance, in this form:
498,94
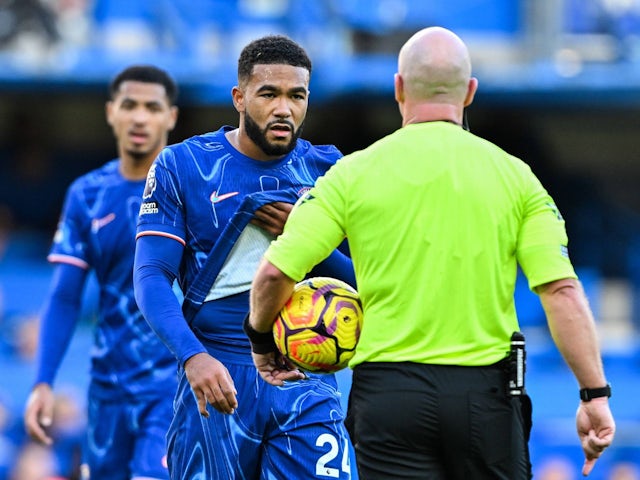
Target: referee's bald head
435,66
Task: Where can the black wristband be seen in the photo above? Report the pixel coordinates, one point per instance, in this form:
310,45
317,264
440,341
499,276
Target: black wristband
588,394
261,343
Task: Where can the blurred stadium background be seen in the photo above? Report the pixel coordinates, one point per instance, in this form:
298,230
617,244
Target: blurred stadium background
559,87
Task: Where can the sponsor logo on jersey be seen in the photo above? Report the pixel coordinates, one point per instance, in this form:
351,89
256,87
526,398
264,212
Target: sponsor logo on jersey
98,223
215,198
150,186
148,208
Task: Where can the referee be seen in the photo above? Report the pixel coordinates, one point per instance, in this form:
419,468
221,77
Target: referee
438,220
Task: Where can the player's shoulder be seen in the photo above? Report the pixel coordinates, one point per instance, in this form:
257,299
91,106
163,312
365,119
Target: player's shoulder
194,147
327,152
97,177
196,141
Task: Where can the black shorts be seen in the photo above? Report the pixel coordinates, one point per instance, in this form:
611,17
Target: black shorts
415,421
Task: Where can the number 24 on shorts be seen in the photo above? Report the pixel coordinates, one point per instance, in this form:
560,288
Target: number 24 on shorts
322,470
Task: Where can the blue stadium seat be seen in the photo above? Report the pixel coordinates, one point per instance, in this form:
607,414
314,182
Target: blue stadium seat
380,16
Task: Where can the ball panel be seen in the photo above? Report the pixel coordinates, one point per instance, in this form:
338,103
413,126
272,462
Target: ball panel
319,327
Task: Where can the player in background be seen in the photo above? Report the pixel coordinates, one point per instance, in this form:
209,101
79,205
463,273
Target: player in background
133,375
430,394
212,205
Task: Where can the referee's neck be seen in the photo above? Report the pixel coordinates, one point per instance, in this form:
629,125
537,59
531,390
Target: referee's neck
431,112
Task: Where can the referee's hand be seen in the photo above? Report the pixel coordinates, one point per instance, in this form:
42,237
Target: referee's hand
276,369
596,429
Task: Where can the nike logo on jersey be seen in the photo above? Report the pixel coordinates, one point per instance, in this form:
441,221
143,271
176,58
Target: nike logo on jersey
215,198
98,223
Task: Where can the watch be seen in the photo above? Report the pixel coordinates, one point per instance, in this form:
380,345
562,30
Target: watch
588,394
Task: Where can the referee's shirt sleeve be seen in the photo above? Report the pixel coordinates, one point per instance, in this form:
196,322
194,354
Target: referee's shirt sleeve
314,229
542,249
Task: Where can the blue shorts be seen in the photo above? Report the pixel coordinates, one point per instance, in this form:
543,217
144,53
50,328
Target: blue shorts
126,438
293,432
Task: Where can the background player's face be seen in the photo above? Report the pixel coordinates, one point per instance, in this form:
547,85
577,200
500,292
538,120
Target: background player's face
141,118
273,106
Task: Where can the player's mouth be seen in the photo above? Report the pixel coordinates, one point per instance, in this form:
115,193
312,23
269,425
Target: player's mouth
280,130
138,137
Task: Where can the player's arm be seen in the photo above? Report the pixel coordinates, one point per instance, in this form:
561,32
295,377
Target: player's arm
270,290
58,321
156,264
573,330
157,259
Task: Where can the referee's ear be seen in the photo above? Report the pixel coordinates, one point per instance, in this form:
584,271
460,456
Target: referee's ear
398,85
472,88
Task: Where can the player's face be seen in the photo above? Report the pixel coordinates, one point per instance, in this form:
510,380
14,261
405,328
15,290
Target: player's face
273,105
141,118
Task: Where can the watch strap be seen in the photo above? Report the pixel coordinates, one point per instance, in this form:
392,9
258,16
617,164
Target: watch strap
588,394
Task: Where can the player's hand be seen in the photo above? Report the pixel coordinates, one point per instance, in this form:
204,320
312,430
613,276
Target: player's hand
272,217
211,383
596,429
38,414
276,369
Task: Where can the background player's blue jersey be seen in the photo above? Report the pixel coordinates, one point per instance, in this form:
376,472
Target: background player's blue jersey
97,231
193,190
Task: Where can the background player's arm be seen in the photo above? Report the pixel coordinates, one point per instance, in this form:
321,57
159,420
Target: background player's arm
59,319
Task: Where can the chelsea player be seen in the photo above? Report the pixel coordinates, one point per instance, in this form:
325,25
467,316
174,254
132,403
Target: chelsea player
133,376
212,205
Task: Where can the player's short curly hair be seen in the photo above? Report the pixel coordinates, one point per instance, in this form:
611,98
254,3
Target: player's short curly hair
146,74
269,50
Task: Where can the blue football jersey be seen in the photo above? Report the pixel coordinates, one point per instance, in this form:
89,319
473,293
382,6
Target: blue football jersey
195,187
97,231
194,193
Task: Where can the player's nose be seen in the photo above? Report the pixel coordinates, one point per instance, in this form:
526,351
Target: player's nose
283,108
140,115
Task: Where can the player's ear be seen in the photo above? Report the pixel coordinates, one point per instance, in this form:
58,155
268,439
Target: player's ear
173,117
238,98
108,108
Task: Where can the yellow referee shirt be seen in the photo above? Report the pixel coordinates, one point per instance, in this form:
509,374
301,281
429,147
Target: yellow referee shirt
437,220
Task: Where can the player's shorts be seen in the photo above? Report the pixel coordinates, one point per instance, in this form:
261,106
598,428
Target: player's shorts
126,438
411,421
291,432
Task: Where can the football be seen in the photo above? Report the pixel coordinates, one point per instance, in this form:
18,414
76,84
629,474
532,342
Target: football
319,327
